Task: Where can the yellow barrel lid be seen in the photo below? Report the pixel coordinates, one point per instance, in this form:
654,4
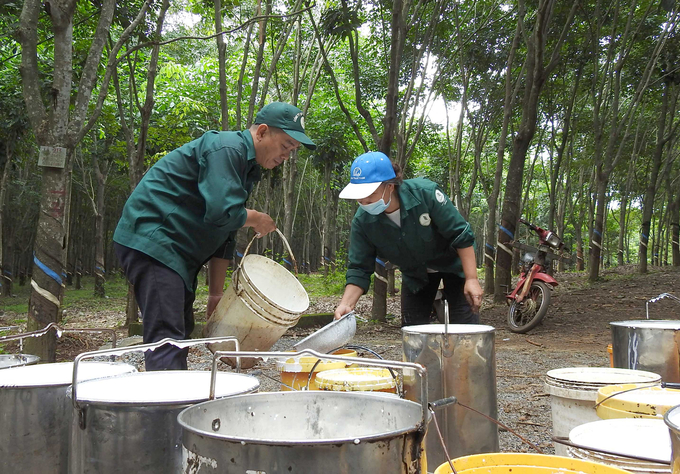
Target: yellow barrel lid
355,379
644,401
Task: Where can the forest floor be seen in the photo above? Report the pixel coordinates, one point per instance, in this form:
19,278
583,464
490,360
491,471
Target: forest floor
574,333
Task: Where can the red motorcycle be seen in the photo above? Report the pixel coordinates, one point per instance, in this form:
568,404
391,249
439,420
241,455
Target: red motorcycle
530,299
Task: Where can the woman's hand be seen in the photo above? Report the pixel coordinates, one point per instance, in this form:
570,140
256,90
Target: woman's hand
342,310
473,294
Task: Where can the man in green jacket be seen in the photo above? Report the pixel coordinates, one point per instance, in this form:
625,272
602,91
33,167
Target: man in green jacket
185,212
414,225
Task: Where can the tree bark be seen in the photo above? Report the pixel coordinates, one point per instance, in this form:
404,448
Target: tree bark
5,272
221,64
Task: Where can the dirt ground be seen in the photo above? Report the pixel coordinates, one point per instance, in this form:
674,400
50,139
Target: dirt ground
574,333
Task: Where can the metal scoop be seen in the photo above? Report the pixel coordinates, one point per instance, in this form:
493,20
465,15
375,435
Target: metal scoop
331,336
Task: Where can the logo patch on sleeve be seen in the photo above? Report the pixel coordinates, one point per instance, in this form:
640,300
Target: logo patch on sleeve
439,196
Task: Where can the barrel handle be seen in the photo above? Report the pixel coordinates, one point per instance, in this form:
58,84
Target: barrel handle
154,345
422,371
285,242
59,331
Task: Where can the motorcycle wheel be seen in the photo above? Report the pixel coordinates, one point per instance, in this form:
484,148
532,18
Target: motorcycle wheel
525,316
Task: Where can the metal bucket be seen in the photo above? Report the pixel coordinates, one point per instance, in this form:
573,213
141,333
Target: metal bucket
303,432
8,361
460,362
309,431
648,345
672,419
129,423
35,415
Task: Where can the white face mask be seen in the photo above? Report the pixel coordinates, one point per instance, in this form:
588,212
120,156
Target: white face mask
377,207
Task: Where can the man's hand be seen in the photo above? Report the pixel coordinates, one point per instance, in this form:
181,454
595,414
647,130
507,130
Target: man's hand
261,223
212,304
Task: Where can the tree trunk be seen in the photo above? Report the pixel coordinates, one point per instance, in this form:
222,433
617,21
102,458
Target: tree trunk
221,64
653,179
5,272
675,226
100,210
536,74
379,310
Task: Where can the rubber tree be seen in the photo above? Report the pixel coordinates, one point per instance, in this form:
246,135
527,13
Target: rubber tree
612,112
59,121
535,73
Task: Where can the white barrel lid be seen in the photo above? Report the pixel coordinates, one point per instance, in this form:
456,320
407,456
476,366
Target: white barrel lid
164,387
60,373
649,324
454,329
596,377
647,438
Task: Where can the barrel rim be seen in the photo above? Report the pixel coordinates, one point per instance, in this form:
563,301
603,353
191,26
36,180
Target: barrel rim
27,384
22,360
673,324
191,430
675,428
244,271
464,329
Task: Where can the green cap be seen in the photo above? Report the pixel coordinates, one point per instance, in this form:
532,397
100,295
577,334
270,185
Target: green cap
286,117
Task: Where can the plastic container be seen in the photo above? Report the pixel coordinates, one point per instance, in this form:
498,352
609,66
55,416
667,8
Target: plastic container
610,351
295,371
262,302
573,394
623,440
357,379
635,401
517,463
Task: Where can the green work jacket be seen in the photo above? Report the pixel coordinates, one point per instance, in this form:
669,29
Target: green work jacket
189,205
431,231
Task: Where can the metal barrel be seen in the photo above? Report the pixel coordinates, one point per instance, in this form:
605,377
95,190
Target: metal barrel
651,345
35,414
460,360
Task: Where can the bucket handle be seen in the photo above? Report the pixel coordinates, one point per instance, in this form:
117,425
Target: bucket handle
419,369
151,346
237,273
59,331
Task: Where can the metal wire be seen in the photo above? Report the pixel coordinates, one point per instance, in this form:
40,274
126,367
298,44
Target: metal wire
441,439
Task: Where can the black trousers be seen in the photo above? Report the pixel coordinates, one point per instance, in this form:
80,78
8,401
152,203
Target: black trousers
166,305
416,308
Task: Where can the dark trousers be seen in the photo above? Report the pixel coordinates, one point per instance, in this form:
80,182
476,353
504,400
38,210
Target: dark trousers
166,305
416,308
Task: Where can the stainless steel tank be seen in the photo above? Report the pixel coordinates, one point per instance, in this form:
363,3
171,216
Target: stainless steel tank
128,424
651,345
672,419
460,362
35,415
308,432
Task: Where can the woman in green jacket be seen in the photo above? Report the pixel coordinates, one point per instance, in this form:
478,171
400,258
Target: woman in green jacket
412,224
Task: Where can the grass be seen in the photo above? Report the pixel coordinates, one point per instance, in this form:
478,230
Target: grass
16,306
